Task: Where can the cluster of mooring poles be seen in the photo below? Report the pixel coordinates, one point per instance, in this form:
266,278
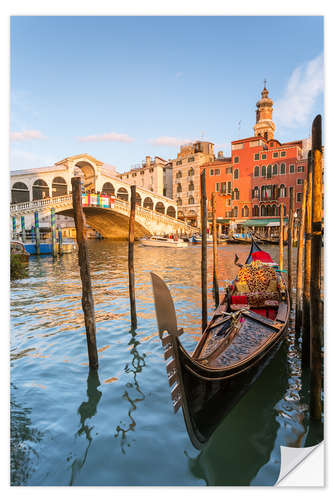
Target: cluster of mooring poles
87,296
309,310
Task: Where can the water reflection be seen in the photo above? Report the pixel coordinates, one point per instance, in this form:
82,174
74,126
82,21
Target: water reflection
86,410
23,438
137,363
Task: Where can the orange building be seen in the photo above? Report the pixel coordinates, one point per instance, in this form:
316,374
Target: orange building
252,184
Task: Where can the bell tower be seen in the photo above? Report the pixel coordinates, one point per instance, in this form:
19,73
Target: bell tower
264,126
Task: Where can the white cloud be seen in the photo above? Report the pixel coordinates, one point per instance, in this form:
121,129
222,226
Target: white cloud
109,137
26,135
169,141
305,84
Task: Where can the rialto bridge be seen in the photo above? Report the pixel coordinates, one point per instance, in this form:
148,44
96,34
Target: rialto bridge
41,189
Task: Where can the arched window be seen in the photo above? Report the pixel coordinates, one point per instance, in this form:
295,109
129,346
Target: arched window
59,187
122,194
269,172
178,174
159,207
235,212
268,210
256,171
235,194
191,200
263,171
255,211
274,211
283,168
263,211
20,193
179,202
245,211
275,169
263,192
191,186
40,190
236,173
171,212
108,189
148,203
282,191
191,171
256,192
179,188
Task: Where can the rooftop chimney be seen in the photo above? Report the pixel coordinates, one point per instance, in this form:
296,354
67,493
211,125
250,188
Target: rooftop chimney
147,161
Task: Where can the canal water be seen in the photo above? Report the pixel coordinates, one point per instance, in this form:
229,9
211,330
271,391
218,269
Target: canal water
118,428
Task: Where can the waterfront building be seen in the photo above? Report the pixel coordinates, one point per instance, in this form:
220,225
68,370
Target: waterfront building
252,184
155,175
186,178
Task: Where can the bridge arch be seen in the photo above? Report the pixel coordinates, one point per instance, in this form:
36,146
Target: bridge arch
108,188
148,203
86,171
59,187
160,208
171,211
138,199
122,194
40,190
20,193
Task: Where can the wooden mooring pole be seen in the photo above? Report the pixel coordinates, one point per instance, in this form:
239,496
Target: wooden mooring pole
316,322
87,296
290,244
131,257
299,272
281,236
203,250
307,270
215,264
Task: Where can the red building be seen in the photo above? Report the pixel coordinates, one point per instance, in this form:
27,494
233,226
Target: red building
256,180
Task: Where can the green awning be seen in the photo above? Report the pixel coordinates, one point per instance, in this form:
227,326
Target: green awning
262,222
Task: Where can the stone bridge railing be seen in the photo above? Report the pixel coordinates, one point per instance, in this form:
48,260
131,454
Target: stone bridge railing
145,216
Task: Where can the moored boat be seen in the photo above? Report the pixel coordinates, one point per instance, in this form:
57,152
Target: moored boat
243,335
161,241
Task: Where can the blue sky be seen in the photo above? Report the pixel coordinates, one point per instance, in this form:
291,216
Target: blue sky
121,88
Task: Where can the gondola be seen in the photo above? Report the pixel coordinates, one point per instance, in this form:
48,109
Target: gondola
245,332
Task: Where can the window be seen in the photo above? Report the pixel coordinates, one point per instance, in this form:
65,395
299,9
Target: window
217,171
218,187
179,188
272,144
191,200
236,173
179,162
178,174
236,159
235,212
275,155
235,194
283,153
229,187
256,156
275,169
282,191
228,202
224,187
245,211
191,158
228,170
263,156
291,169
300,181
190,172
255,211
263,171
269,172
282,168
255,193
300,168
212,171
256,171
299,196
191,186
263,211
179,202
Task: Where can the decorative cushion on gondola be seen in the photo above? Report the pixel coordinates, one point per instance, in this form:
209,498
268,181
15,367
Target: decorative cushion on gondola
272,303
258,277
239,299
241,286
263,299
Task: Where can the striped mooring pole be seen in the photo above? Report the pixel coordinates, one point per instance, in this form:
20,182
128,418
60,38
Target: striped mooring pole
14,227
23,228
37,234
54,234
60,240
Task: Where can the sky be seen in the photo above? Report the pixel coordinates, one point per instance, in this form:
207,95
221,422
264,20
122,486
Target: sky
121,88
